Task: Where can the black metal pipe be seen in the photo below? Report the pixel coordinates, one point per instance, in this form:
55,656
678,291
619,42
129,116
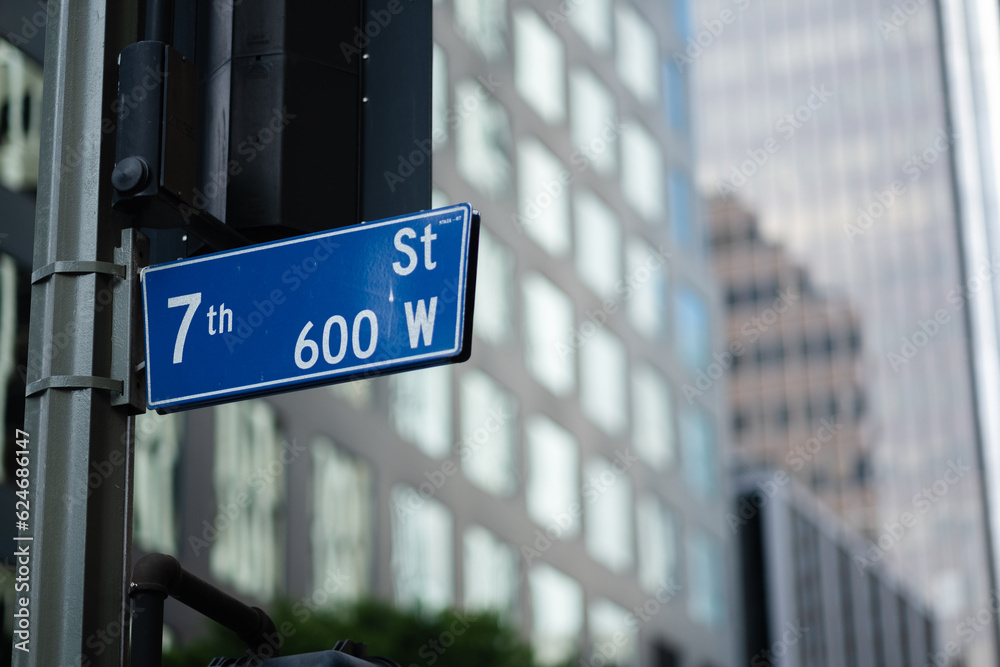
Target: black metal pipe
160,21
147,628
156,576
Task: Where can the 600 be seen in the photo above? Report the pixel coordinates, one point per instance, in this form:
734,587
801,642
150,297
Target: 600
307,351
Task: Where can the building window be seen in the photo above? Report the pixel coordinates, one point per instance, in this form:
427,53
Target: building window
680,208
20,134
652,417
483,143
483,24
740,421
553,488
548,323
603,370
608,490
491,574
439,96
422,568
611,637
706,580
642,171
594,124
421,409
783,416
539,66
248,555
646,288
157,448
592,21
692,332
342,522
557,615
8,333
489,422
698,452
598,244
542,184
494,290
682,18
638,56
677,98
657,536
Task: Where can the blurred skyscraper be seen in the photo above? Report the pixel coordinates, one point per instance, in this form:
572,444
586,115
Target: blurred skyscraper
797,386
832,121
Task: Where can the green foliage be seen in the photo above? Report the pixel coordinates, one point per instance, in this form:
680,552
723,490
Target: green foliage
449,638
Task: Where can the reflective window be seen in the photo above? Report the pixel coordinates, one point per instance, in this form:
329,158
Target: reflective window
646,277
439,96
422,567
21,97
248,555
642,171
483,24
8,331
706,580
682,18
652,417
680,208
598,244
543,196
491,573
698,452
658,544
548,324
556,615
676,105
539,66
593,124
611,637
483,143
694,342
157,448
421,409
494,290
489,426
608,490
638,56
358,393
439,199
603,371
553,487
342,520
592,20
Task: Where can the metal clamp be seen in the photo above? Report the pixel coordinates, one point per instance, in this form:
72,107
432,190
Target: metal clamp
77,266
73,382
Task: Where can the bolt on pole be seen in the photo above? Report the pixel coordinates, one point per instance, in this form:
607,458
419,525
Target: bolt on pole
80,470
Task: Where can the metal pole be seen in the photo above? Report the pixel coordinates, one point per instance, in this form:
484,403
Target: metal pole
80,472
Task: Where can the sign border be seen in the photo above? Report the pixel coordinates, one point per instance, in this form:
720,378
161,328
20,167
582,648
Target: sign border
457,354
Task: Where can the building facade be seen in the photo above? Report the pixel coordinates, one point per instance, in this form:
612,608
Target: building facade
797,387
812,594
833,123
557,476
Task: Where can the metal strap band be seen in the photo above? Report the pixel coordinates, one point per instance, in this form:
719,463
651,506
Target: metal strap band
78,267
73,382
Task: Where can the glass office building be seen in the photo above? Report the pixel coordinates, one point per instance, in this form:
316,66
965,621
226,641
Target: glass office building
831,121
556,476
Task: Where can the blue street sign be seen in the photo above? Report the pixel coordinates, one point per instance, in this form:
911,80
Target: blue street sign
340,305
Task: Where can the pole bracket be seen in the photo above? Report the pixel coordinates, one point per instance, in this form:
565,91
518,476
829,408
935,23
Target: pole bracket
73,382
77,266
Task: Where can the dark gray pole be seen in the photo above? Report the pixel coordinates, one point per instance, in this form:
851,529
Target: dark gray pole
80,471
